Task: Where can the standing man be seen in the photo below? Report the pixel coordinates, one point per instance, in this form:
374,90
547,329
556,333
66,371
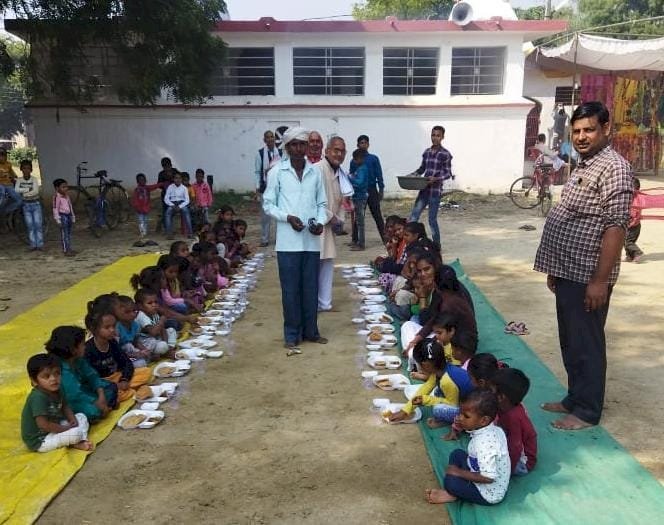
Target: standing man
330,169
266,157
315,148
376,185
295,197
436,166
580,253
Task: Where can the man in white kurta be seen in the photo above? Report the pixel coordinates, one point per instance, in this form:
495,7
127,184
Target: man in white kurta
330,167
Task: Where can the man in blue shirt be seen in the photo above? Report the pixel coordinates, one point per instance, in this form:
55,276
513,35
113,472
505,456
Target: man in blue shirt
295,197
376,184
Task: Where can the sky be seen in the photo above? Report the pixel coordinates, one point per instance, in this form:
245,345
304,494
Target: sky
300,9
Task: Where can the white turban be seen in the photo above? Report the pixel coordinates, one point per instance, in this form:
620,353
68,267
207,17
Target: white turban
294,133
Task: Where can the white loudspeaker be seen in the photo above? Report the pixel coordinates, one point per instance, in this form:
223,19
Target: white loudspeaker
462,13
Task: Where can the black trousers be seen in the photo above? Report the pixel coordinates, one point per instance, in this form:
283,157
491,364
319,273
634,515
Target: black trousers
631,248
374,206
583,348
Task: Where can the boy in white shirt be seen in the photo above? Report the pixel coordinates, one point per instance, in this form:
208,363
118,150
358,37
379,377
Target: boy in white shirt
481,475
27,187
177,199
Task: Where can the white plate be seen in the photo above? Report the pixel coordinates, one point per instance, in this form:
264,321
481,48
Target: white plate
146,424
369,373
193,354
156,396
396,407
375,353
373,347
383,328
373,308
369,282
177,373
222,333
149,405
374,299
397,381
380,317
387,340
203,344
212,313
410,391
357,320
167,389
381,362
363,332
215,354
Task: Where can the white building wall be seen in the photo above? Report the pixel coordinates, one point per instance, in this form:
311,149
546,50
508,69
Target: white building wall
485,142
538,86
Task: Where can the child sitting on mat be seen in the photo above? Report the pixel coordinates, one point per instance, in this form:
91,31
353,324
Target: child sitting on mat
511,386
171,290
481,369
47,422
104,354
84,390
482,474
128,330
154,335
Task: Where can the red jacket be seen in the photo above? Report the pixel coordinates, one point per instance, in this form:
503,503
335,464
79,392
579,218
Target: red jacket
140,199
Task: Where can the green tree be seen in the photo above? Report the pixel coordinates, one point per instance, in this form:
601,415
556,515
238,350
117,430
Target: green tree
595,13
12,88
159,45
403,9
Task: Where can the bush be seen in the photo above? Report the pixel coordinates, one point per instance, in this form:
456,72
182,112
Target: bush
16,155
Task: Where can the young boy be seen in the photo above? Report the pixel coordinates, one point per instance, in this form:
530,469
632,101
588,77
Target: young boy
128,330
63,213
632,252
177,199
203,194
511,386
360,181
483,474
240,230
27,187
154,334
436,166
140,201
47,422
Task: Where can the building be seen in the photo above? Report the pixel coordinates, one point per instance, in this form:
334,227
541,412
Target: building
390,79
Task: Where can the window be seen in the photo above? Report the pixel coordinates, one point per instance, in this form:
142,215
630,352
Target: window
567,95
477,70
328,70
410,70
245,71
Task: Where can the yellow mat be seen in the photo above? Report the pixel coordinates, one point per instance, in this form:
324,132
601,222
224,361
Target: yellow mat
29,480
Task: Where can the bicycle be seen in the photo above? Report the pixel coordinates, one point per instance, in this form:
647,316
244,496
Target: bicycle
109,207
534,190
15,221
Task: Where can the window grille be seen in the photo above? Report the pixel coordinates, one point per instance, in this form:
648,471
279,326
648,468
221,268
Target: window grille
245,71
410,70
477,70
328,70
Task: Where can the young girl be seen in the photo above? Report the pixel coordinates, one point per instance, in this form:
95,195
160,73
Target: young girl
413,234
180,249
128,331
171,291
104,354
47,421
154,335
212,268
481,475
84,390
482,368
444,384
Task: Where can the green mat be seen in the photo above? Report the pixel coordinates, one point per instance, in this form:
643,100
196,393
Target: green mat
583,477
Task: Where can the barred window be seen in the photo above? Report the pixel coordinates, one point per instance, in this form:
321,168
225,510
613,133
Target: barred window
328,70
477,70
567,95
245,71
410,70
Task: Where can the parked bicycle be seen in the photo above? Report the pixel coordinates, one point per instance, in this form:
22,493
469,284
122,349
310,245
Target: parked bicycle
15,221
534,190
106,204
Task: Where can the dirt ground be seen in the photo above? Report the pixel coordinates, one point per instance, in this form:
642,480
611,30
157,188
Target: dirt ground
258,438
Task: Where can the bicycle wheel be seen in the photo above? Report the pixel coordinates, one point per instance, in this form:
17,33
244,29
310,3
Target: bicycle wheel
92,210
547,201
79,200
111,212
117,197
19,227
523,193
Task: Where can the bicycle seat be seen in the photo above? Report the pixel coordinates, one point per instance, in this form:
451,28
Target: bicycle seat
115,181
101,173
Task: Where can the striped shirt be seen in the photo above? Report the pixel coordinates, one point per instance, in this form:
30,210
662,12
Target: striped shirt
597,196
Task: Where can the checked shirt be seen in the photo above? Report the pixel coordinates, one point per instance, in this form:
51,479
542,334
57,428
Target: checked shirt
597,196
436,163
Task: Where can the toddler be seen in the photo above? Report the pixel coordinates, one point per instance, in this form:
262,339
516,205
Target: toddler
128,330
482,368
104,354
140,201
63,213
511,386
482,474
154,334
47,422
84,390
28,188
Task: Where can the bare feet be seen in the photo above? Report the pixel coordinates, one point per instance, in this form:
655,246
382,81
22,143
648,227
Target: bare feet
554,407
434,423
452,435
438,496
88,446
570,422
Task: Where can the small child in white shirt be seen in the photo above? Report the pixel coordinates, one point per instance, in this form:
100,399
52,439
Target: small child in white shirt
154,335
482,474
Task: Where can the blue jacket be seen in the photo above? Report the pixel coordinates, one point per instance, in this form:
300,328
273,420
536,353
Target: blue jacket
375,171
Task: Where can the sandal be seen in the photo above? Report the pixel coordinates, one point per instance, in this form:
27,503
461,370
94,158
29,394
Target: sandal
292,349
510,327
521,329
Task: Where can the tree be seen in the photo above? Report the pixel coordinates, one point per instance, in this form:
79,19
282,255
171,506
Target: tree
403,9
595,13
12,88
159,45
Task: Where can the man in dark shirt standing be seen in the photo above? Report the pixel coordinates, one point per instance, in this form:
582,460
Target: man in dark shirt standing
580,253
376,184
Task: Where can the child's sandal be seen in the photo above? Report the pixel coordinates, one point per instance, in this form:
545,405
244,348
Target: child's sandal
510,327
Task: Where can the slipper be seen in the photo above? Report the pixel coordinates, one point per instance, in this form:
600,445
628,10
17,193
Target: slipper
3,307
320,340
510,327
521,329
293,350
527,227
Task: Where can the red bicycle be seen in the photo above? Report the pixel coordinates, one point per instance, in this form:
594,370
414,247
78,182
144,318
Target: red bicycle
534,190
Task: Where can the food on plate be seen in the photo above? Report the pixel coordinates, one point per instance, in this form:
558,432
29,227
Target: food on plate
154,419
384,382
133,420
375,336
143,393
167,370
385,319
379,363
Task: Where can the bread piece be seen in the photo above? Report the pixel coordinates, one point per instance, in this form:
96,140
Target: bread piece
384,382
143,393
375,336
166,370
133,421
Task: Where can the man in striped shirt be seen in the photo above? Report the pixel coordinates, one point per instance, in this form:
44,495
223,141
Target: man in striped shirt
580,253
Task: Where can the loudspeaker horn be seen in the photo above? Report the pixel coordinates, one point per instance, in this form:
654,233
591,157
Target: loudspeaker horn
462,13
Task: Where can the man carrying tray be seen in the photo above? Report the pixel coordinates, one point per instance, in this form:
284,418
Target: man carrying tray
436,167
